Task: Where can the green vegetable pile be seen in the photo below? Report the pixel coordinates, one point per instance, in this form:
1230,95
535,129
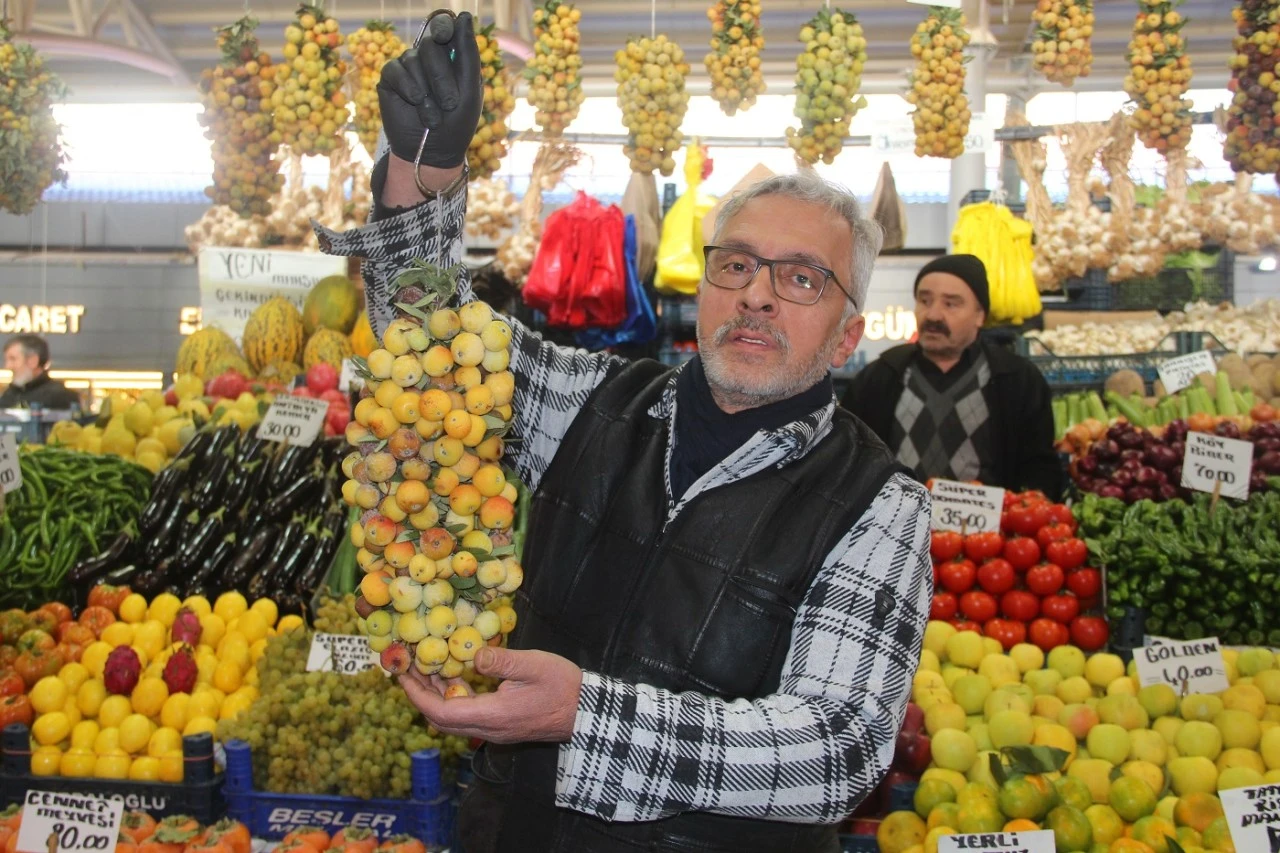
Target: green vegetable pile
1195,568
70,506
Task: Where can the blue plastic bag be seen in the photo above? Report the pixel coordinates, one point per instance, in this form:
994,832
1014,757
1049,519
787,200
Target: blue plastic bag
640,325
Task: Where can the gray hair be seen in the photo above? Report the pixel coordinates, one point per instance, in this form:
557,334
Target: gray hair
806,185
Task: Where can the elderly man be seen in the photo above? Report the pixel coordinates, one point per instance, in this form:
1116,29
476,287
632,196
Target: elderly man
26,357
952,405
727,576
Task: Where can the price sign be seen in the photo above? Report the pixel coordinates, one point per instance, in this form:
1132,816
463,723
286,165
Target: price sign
966,508
348,377
10,472
1034,841
894,137
1188,666
1253,817
1178,373
1211,463
69,823
340,653
294,420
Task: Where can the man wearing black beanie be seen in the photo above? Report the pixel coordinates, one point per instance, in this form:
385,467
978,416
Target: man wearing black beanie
951,405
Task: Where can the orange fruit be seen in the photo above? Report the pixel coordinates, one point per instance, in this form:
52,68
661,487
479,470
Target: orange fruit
1071,829
1155,832
1020,825
1217,836
1197,810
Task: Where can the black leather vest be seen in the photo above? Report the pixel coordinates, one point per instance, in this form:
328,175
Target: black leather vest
705,603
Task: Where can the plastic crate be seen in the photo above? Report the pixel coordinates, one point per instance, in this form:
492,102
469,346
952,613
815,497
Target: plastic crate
1169,290
859,844
427,815
902,796
1086,372
198,795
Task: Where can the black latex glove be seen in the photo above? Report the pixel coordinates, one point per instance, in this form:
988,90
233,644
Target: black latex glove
424,89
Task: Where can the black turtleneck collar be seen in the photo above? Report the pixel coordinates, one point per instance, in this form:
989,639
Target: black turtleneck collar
706,435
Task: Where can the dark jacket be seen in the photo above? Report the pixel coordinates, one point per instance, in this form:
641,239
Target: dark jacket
43,391
1018,398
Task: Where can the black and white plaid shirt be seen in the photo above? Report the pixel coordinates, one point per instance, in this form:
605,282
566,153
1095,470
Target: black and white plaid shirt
810,752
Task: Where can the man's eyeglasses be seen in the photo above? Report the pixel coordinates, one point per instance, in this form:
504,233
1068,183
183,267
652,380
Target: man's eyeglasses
803,284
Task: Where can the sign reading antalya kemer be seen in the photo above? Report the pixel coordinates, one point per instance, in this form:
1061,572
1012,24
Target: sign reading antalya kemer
233,282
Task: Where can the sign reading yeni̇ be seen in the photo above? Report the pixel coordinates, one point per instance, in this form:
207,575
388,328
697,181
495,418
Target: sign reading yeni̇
233,282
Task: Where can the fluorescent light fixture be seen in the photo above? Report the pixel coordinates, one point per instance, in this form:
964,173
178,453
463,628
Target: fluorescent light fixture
1267,263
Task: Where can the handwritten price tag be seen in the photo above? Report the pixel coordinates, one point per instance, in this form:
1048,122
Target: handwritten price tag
293,420
79,823
1253,817
1211,463
10,473
1178,373
340,653
1035,841
348,377
965,508
1188,666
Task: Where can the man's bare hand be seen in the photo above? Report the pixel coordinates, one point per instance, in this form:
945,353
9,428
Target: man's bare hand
537,700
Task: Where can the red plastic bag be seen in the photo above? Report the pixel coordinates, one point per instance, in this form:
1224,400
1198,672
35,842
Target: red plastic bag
551,269
604,301
578,277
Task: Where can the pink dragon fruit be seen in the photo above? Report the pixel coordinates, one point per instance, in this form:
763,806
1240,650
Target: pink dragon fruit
186,627
180,671
120,672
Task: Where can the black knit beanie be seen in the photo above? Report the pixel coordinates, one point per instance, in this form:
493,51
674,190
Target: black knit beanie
967,268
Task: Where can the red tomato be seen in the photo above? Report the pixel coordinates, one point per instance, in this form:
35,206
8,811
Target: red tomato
1053,532
11,684
44,620
96,618
945,545
60,611
977,605
944,606
1068,553
15,709
1048,634
1062,607
1061,513
1022,553
35,665
1090,633
996,576
1027,517
35,638
983,546
1045,579
965,625
1020,605
956,575
1008,632
1085,583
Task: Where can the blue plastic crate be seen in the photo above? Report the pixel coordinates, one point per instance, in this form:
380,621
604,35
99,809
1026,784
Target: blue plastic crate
859,844
198,795
427,815
902,797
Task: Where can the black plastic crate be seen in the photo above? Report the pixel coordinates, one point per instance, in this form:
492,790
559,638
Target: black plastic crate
1169,290
198,795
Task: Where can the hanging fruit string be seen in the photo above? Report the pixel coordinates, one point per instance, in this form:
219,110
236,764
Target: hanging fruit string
371,46
1062,48
828,77
31,154
237,96
734,60
312,108
1251,144
489,144
554,72
941,117
651,94
1159,76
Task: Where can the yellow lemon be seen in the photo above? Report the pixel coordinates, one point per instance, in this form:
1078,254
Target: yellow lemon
84,733
164,607
230,605
289,623
174,711
135,732
90,696
145,768
149,696
50,729
171,766
73,675
254,625
227,676
77,761
152,635
48,694
72,710
266,608
113,765
133,609
108,740
163,741
46,761
117,634
199,725
257,650
212,627
234,648
113,711
198,605
234,704
95,657
204,703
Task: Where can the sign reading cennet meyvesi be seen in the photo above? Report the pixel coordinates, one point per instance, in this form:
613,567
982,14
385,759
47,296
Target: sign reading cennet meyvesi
233,282
79,823
1030,841
898,136
1188,666
966,508
1253,817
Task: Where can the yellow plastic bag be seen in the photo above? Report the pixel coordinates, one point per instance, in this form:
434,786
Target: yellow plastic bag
680,249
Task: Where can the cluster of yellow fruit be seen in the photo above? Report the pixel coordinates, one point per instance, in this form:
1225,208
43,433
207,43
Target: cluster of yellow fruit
31,158
1002,242
436,537
489,144
554,72
81,729
1062,48
650,75
371,46
147,430
1251,144
1139,763
236,96
309,102
1159,75
828,77
734,60
941,117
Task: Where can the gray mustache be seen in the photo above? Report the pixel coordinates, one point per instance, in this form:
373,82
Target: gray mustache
750,324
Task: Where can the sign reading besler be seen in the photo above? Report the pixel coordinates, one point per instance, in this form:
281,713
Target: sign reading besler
233,282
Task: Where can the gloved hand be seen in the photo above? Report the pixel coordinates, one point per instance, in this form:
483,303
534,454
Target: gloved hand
424,89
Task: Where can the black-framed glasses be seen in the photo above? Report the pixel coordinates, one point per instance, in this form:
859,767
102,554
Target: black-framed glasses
793,281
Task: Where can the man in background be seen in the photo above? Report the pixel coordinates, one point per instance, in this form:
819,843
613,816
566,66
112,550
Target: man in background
952,405
26,357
